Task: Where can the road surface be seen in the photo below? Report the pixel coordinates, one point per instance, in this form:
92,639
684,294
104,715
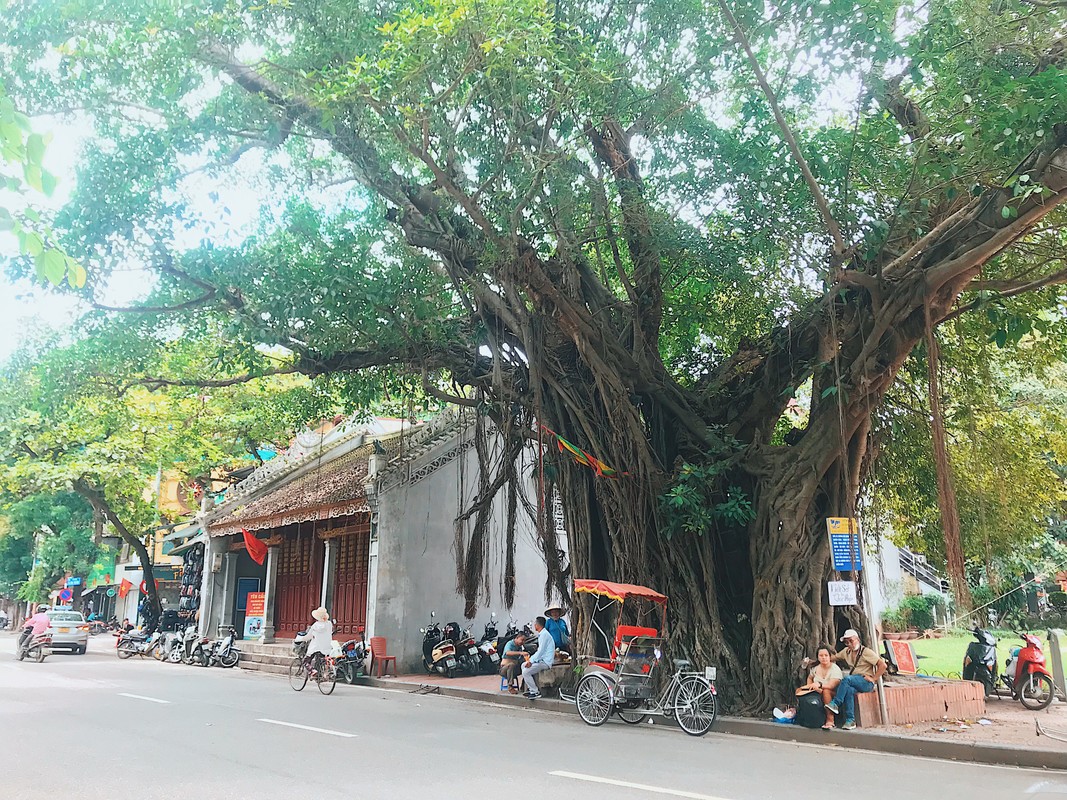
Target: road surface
97,728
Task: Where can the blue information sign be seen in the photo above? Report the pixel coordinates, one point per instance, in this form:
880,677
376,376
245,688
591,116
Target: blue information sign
844,544
74,581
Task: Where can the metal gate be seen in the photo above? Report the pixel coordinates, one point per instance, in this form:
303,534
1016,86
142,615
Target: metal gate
299,580
351,581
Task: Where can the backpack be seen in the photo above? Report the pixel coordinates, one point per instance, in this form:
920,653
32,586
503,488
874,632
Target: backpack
810,711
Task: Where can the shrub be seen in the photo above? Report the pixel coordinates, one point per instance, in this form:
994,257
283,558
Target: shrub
918,610
893,622
1058,600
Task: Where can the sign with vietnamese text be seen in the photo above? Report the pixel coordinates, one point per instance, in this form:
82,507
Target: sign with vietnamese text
903,656
74,582
255,613
844,544
842,593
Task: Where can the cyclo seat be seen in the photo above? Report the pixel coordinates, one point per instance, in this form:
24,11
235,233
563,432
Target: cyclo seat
681,663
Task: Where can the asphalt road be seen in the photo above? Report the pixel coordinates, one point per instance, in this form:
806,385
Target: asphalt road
94,727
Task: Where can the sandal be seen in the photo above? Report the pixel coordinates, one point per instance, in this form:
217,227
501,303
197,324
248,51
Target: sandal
827,727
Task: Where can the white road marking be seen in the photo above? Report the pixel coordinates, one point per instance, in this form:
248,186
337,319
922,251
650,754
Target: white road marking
308,728
142,697
577,776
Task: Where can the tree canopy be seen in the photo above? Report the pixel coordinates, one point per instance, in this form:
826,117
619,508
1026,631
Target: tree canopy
646,224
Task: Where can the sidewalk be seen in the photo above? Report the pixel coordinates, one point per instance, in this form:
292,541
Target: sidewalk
1010,740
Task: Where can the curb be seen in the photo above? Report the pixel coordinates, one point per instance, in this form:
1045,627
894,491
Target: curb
1003,755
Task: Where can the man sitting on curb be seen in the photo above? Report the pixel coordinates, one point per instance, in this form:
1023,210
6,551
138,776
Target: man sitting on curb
866,667
544,658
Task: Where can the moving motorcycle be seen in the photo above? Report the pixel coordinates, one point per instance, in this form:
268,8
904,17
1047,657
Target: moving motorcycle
1025,676
438,651
37,647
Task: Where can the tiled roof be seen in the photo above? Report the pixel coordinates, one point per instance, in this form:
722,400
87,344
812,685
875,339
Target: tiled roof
336,489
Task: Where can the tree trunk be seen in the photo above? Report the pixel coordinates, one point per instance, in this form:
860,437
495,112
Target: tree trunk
946,484
101,506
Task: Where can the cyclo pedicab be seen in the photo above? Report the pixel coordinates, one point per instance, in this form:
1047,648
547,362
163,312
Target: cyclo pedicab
628,683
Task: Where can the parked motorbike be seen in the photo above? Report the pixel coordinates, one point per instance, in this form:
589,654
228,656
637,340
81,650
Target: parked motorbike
133,643
489,659
354,659
172,647
468,655
37,647
224,652
438,651
192,648
1025,677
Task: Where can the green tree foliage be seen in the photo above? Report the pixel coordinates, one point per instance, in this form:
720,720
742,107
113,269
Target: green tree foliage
645,224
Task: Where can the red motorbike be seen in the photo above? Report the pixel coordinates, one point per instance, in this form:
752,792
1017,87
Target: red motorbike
1026,675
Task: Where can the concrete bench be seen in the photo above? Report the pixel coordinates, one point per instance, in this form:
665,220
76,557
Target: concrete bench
922,700
561,676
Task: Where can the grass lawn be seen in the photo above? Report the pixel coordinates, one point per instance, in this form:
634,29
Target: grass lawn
945,656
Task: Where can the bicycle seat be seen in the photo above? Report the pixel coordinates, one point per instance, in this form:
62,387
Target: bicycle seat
681,663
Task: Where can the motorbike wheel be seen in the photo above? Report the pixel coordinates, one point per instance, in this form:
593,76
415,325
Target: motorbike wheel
157,651
473,666
230,659
39,655
174,656
327,678
695,706
593,699
298,676
124,651
451,672
1036,692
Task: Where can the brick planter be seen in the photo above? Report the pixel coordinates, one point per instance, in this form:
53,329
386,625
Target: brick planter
922,700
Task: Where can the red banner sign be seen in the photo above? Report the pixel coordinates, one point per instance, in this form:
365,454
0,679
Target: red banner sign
257,604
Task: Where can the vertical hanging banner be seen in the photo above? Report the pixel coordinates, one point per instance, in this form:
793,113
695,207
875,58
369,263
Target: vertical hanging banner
844,543
255,611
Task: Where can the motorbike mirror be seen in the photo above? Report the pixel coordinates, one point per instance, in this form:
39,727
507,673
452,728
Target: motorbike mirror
433,614
422,630
492,616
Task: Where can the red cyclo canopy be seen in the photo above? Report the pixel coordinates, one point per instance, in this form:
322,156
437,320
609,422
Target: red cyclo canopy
618,591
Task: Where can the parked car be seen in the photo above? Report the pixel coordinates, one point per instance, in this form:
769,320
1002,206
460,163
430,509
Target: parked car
69,631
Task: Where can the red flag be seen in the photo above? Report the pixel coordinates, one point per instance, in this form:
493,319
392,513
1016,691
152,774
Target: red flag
124,588
256,548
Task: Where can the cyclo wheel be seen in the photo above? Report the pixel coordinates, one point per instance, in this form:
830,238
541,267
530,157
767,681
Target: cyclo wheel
327,677
631,716
694,705
593,699
298,676
1036,692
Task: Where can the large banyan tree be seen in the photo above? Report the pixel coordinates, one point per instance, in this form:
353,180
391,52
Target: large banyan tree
655,227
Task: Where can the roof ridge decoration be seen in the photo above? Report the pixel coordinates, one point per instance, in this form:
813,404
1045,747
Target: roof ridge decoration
307,446
421,442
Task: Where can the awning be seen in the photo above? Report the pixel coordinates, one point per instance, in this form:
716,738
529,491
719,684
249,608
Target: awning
189,545
336,489
190,529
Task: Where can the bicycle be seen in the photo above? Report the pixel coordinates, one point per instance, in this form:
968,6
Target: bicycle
320,668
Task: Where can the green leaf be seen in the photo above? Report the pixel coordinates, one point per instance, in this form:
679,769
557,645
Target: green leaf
35,148
52,266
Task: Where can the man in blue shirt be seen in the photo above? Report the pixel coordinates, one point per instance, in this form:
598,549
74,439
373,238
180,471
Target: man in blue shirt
544,658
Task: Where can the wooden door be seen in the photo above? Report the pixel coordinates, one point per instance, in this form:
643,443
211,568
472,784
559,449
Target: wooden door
351,581
299,580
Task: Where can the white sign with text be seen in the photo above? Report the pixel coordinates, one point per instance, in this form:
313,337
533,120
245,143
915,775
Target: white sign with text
842,593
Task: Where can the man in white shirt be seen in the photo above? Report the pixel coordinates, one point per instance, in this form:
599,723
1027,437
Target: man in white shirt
544,658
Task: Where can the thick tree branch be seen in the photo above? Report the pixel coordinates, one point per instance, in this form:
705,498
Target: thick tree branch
840,248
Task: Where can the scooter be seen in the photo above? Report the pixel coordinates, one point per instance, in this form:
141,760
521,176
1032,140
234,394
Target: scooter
172,647
37,647
1025,676
192,650
224,653
489,659
132,644
354,659
438,652
469,656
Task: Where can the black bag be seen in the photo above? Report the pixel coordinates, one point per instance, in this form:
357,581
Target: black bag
810,711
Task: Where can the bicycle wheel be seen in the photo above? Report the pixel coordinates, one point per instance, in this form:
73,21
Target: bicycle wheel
1036,693
298,676
327,676
630,716
593,699
694,705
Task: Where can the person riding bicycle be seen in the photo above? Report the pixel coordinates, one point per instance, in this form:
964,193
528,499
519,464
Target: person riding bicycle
319,638
34,626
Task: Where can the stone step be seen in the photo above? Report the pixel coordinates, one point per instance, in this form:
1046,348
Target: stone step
275,648
264,658
255,666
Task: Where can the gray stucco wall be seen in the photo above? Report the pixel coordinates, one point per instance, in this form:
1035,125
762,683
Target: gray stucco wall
416,564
